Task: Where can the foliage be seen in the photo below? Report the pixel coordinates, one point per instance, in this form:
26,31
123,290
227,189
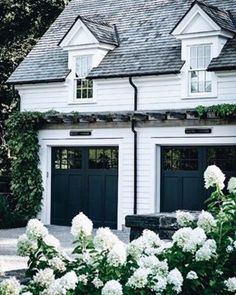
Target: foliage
199,260
220,110
22,23
26,176
6,216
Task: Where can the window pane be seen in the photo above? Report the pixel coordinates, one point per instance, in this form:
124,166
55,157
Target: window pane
68,158
200,81
223,157
180,159
103,158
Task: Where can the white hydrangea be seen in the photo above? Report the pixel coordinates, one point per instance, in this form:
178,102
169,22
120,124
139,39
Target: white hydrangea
36,230
97,283
139,279
57,264
206,221
231,284
214,177
81,224
160,284
51,241
229,249
182,236
104,239
136,248
26,246
27,293
55,289
151,239
154,264
112,288
207,251
232,185
117,256
83,279
175,279
184,218
44,277
2,267
192,275
10,287
69,280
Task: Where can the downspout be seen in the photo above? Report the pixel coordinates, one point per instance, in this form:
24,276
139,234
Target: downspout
135,143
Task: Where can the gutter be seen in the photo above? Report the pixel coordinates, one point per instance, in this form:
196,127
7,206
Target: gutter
135,144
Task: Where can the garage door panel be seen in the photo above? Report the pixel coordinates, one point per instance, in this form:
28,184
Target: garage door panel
85,180
59,202
96,199
171,191
192,199
111,189
75,195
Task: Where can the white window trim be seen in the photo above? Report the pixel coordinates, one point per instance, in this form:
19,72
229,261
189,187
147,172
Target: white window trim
186,94
75,100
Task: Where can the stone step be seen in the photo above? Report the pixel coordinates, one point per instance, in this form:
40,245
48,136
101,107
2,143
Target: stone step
164,224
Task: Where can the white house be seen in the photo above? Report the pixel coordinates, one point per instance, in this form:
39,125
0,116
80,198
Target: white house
135,70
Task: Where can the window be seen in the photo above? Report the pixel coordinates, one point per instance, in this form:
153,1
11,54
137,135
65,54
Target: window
83,86
200,81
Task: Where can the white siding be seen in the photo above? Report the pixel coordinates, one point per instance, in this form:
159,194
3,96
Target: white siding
154,93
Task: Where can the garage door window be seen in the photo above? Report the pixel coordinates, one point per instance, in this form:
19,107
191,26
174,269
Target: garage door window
180,159
68,158
103,158
223,157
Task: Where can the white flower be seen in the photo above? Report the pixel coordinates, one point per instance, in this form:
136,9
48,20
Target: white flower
184,218
83,279
69,280
231,284
192,275
44,277
104,239
232,185
175,279
2,267
55,289
81,224
97,283
206,221
151,239
112,288
136,247
25,246
234,243
117,256
214,177
182,236
26,293
154,264
51,241
57,264
35,229
139,279
207,251
160,284
229,249
10,287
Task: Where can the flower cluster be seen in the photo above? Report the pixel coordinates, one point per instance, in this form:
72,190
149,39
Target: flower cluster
197,259
214,177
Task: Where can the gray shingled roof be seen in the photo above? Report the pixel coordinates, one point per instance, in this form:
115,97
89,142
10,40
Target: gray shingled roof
146,45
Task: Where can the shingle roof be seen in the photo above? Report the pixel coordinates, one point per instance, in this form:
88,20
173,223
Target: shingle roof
146,45
221,17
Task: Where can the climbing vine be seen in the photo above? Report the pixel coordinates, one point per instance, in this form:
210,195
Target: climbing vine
220,110
26,184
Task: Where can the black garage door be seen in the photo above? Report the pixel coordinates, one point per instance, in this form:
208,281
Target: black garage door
182,184
85,179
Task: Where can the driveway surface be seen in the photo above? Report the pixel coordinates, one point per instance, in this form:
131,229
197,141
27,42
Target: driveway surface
8,241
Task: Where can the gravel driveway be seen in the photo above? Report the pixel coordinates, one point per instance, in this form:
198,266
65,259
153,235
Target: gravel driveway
8,240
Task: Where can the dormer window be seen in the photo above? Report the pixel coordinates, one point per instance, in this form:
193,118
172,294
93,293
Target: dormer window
83,86
200,81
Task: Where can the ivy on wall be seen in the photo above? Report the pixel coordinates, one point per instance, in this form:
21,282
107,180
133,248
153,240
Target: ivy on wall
220,110
26,184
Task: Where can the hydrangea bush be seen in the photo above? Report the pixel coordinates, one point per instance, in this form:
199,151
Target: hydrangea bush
199,260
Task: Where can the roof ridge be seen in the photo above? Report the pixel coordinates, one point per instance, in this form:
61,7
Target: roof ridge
95,22
211,6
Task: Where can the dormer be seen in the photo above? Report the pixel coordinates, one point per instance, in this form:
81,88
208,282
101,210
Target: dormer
203,31
87,42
